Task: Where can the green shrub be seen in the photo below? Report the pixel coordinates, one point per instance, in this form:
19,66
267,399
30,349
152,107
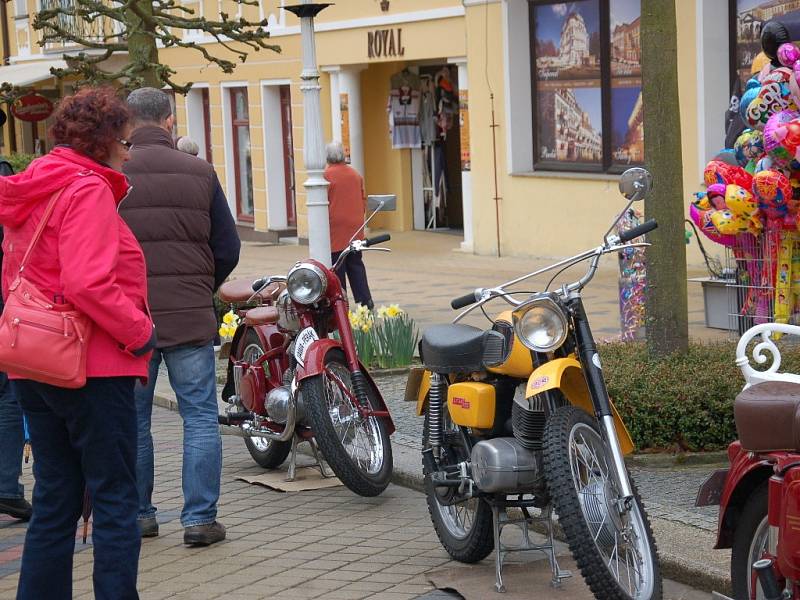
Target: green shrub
683,402
19,162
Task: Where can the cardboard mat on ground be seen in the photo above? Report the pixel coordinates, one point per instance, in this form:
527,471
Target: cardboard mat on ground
306,478
523,581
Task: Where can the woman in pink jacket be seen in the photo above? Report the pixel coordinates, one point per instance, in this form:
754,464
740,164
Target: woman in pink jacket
87,436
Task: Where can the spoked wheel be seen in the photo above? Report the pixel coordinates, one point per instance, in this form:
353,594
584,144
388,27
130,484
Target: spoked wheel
464,526
268,454
356,447
750,543
614,549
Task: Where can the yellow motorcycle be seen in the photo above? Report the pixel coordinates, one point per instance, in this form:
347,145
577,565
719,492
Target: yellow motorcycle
518,424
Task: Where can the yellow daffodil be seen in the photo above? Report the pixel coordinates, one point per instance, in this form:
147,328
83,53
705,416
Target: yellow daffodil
365,328
393,311
382,311
228,317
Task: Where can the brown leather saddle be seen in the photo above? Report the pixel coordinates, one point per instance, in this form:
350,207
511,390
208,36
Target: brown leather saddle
768,417
240,290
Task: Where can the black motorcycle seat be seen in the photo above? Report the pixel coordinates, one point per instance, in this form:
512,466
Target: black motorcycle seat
768,417
460,348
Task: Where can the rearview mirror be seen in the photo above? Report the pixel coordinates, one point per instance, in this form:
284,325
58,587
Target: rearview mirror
382,202
635,183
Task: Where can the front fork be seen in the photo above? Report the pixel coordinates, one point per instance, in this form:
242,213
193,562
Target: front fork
359,382
593,372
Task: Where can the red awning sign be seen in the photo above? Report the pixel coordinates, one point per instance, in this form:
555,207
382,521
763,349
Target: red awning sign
32,107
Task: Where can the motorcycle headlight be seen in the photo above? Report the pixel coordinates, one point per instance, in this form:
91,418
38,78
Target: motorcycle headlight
541,324
306,283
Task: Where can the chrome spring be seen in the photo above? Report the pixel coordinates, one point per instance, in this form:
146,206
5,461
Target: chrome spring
435,402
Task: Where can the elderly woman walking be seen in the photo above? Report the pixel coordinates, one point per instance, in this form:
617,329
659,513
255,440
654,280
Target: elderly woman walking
348,206
85,437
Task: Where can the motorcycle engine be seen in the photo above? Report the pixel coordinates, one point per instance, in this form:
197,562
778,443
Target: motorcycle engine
504,465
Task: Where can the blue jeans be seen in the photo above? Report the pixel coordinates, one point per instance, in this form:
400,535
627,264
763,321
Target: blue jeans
192,375
81,438
12,441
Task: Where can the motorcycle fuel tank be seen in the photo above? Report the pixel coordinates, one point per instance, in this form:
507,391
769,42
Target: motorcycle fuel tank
503,465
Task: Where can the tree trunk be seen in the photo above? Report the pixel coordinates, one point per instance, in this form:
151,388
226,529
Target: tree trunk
666,301
142,49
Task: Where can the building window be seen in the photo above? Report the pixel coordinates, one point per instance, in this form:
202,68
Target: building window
240,126
586,85
747,18
21,8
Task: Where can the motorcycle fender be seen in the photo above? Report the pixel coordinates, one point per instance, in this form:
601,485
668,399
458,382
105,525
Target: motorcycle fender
315,363
747,472
566,374
421,393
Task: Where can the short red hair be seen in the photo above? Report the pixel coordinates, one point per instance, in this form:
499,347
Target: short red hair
90,121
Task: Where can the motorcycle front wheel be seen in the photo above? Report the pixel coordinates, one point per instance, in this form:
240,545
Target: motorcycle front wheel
615,551
464,528
268,454
357,448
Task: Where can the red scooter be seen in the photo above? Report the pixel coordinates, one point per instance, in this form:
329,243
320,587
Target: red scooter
294,375
759,495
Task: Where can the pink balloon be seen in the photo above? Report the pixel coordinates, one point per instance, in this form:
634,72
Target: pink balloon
788,55
703,221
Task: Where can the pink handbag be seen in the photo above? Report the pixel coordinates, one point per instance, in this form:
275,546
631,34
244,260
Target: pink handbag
41,339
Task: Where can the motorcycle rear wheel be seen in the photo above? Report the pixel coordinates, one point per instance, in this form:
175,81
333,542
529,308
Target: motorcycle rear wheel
464,529
577,467
268,454
750,542
357,449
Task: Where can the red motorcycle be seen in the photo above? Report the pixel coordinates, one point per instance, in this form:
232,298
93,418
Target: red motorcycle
294,375
759,495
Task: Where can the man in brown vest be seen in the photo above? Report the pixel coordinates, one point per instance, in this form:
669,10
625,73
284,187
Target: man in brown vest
180,216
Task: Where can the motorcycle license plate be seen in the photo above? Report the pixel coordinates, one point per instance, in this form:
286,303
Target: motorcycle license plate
302,343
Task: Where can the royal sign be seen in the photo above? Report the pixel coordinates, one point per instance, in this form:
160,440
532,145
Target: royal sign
384,43
32,107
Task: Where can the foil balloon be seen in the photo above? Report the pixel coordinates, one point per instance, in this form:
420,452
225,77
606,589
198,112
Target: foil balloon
749,149
774,194
744,207
727,223
720,172
775,132
789,56
774,96
750,93
700,214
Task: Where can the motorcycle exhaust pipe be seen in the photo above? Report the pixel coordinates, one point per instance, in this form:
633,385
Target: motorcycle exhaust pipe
246,429
766,576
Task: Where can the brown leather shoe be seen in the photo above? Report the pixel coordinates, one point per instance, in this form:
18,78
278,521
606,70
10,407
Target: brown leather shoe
148,527
204,535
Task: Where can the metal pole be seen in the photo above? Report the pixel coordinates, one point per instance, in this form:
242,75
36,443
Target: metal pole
319,240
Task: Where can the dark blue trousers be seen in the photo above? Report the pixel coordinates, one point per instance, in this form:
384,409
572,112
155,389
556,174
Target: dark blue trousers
84,437
353,267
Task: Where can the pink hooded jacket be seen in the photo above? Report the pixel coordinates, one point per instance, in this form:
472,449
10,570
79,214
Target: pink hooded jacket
87,253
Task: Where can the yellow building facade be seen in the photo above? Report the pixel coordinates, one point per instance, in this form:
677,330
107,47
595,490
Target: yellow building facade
492,170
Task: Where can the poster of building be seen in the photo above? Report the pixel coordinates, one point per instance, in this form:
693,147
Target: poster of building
567,40
627,119
626,48
570,129
750,17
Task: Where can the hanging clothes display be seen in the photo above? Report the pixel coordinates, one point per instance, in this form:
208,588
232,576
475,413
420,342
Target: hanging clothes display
446,101
427,115
404,110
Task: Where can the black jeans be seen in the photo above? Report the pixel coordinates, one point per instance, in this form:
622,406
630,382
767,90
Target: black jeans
84,437
353,266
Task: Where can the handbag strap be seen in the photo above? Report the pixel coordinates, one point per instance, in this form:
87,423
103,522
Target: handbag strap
40,228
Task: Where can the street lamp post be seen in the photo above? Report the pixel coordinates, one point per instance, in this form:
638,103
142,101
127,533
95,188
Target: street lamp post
319,239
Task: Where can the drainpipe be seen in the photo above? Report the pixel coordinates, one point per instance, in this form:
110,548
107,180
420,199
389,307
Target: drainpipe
12,138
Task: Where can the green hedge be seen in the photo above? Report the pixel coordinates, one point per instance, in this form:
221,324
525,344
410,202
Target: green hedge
19,162
683,402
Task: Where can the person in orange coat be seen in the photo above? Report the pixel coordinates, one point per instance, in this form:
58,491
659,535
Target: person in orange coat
348,205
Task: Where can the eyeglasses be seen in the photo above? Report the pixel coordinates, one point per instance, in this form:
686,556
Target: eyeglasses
128,145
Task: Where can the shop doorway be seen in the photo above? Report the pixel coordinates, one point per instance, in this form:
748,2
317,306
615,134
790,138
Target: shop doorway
438,197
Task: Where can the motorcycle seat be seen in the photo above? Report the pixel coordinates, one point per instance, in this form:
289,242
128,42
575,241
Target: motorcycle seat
240,290
262,315
460,348
768,417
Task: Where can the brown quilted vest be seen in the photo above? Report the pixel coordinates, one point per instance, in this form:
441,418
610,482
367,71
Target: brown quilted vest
169,212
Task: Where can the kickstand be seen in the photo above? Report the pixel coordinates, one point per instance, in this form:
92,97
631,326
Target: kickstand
293,459
318,457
